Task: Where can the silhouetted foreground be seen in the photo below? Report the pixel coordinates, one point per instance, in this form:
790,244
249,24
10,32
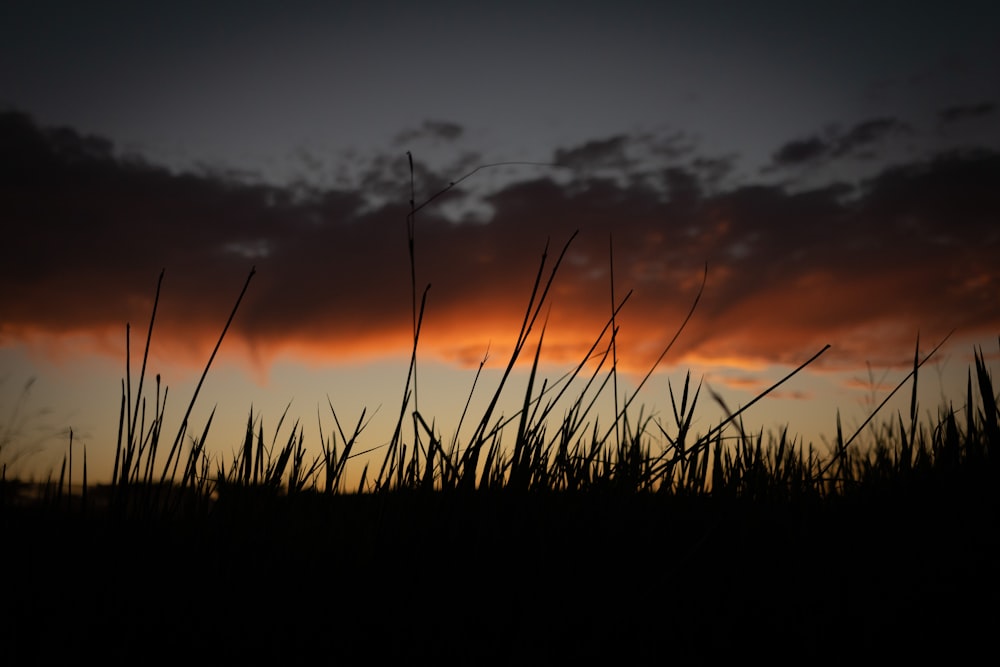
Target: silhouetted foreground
716,550
571,546
509,578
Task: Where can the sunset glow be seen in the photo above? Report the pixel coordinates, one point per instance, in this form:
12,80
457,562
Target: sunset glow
861,212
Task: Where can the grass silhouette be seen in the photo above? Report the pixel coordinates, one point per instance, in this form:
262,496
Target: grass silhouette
634,541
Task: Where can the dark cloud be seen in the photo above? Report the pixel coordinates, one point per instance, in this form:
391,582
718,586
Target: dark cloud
863,135
673,146
434,130
799,151
713,171
859,141
683,186
443,129
864,268
610,153
958,113
28,151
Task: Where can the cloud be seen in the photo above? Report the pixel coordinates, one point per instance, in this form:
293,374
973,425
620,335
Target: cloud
859,141
713,170
864,135
954,114
434,130
864,268
797,151
607,153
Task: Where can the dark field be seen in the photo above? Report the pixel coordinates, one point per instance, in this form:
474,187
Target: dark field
513,577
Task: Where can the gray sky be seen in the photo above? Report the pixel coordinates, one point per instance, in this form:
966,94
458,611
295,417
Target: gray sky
286,90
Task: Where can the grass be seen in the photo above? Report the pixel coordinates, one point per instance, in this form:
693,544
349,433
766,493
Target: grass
571,453
543,536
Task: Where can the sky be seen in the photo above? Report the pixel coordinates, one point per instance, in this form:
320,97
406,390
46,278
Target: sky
830,172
